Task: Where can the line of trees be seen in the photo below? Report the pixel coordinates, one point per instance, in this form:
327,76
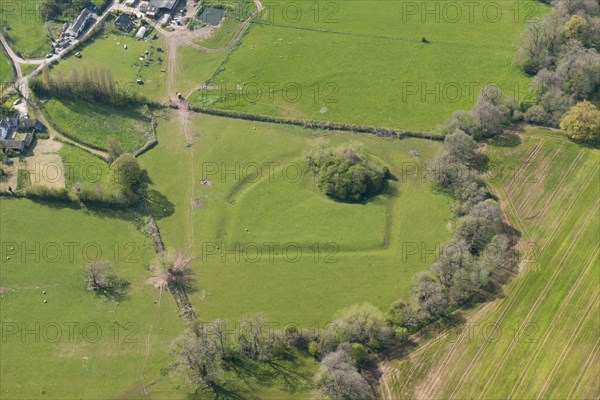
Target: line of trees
346,350
93,84
490,115
471,266
560,51
316,124
479,256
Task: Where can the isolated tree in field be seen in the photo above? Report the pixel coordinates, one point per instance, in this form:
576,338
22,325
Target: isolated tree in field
100,279
97,274
338,378
582,122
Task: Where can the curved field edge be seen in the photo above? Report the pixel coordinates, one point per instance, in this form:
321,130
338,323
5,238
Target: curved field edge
272,210
537,340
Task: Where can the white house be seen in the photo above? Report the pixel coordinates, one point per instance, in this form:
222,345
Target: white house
141,32
76,28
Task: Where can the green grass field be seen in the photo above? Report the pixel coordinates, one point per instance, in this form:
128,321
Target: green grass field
195,67
541,338
81,166
124,64
27,32
367,64
27,68
115,349
6,70
279,208
94,122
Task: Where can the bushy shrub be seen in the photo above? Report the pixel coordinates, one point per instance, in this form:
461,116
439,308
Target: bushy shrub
347,174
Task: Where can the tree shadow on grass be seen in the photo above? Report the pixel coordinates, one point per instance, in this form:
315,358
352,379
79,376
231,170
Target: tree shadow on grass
285,369
156,204
506,139
116,291
592,144
449,325
224,391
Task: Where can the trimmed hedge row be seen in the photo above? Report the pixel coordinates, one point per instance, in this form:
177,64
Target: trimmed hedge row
315,124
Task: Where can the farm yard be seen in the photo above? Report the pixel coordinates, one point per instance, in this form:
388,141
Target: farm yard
226,17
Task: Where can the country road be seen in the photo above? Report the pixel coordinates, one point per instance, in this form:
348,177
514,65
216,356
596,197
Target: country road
21,82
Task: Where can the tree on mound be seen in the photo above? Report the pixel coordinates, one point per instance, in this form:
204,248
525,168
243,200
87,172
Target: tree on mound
346,173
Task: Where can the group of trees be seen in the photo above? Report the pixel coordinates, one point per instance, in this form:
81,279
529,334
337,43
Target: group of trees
94,84
561,50
57,9
206,352
480,253
490,115
346,173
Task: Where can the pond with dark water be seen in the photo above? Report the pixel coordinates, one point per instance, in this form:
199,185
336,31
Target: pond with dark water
212,16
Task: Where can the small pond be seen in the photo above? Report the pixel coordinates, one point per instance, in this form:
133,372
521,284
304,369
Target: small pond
212,16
